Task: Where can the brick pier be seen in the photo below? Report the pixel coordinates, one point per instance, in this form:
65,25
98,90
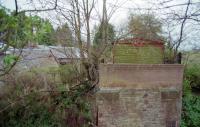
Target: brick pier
140,95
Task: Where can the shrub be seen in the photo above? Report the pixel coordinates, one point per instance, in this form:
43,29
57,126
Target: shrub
26,103
191,102
70,75
191,111
26,110
168,55
192,74
8,60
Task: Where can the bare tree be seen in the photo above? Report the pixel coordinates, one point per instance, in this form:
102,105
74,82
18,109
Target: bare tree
180,19
81,15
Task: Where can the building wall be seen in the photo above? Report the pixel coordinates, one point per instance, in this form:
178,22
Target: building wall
138,51
139,95
146,54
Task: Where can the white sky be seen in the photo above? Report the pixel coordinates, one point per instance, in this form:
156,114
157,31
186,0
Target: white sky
120,17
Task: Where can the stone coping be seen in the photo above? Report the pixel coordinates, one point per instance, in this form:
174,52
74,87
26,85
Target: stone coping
153,66
118,89
141,76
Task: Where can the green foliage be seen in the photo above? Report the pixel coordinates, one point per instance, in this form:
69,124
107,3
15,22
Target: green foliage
28,106
28,109
30,113
15,28
145,26
169,54
20,29
191,102
70,75
67,74
63,35
190,111
102,43
77,110
186,87
8,27
42,31
110,35
9,60
192,74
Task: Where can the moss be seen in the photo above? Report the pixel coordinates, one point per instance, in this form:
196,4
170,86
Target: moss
137,55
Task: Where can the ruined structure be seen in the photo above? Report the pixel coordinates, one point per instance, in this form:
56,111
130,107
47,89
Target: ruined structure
139,95
137,89
138,51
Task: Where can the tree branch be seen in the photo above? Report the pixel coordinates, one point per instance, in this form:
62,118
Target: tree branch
16,7
182,26
41,10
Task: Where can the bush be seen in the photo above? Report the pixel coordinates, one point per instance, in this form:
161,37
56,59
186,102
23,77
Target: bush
191,111
21,109
70,75
168,55
26,103
192,73
191,102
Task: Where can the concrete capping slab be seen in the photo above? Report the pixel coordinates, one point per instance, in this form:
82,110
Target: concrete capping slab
141,76
110,90
150,66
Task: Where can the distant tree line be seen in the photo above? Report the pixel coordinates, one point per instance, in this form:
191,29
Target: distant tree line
20,30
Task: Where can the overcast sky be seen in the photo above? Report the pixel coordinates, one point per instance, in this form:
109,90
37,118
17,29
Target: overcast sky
125,7
120,17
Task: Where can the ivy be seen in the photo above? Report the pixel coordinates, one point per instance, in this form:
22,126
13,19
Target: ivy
8,60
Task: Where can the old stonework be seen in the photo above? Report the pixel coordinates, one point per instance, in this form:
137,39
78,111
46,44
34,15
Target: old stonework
139,95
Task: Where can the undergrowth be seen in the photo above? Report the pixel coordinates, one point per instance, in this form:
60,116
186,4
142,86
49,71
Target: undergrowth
25,102
191,102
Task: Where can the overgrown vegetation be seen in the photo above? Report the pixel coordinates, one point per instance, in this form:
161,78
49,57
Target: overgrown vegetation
191,101
193,75
27,101
9,60
33,100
